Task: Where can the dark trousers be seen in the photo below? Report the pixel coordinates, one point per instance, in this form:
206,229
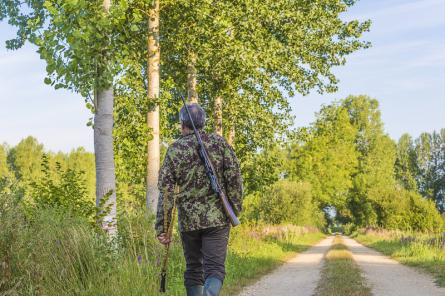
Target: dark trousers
205,254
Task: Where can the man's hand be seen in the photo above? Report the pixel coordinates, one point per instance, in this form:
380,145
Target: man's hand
164,239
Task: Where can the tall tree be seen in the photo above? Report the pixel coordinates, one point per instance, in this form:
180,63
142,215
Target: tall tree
264,168
25,159
103,142
153,149
218,113
405,166
430,159
74,38
4,170
377,154
192,80
326,155
423,159
348,159
438,159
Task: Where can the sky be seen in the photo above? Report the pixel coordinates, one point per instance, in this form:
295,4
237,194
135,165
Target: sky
404,69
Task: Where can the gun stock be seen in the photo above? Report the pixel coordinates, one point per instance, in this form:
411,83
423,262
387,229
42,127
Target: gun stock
229,210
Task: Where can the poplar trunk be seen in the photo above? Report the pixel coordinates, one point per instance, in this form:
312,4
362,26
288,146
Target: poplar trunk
192,93
153,147
104,157
218,116
104,154
231,136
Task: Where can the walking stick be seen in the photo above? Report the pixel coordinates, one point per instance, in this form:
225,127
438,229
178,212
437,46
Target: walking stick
169,227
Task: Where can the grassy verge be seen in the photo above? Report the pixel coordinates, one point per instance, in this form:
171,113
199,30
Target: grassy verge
55,254
418,250
340,275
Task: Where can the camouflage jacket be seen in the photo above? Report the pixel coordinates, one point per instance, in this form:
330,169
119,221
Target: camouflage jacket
198,206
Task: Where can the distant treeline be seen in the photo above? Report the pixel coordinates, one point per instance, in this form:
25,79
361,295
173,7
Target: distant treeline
28,163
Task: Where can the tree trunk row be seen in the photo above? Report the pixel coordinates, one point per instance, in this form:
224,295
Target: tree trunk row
103,127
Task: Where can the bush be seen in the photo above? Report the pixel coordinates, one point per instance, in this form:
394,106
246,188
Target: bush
423,214
394,210
349,229
284,202
66,190
407,210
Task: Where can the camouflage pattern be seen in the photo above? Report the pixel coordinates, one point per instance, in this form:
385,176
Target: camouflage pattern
198,206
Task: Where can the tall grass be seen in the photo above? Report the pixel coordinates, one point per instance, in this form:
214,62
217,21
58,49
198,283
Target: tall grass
55,253
423,250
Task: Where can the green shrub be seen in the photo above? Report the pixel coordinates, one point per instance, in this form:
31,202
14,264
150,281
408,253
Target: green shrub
407,210
64,189
251,208
423,214
394,209
349,228
284,202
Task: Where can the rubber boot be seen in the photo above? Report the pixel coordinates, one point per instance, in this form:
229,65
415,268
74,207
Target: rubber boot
212,286
194,290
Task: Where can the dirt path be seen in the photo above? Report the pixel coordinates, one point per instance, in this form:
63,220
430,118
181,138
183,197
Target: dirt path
298,276
387,277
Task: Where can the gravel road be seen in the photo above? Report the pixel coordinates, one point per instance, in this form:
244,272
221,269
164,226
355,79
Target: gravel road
298,276
387,277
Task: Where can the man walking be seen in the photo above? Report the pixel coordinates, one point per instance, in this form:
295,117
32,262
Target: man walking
203,224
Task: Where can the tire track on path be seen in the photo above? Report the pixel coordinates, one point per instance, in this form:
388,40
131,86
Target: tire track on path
298,276
388,277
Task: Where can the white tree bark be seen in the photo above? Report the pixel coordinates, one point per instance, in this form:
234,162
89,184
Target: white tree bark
231,136
218,115
153,149
192,82
106,5
104,154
